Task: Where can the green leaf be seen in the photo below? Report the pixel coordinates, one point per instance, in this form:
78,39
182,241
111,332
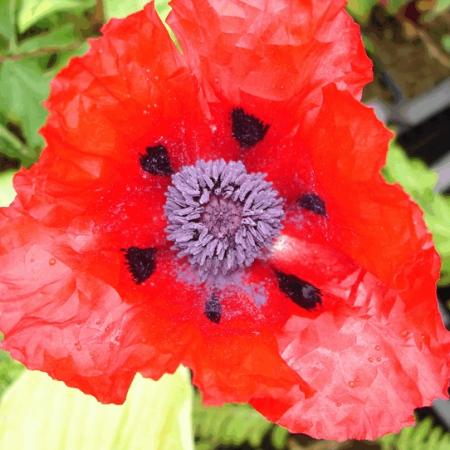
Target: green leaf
394,5
23,87
56,38
9,369
63,58
424,436
7,19
42,414
361,9
445,42
7,192
419,182
13,147
234,425
441,6
120,8
31,11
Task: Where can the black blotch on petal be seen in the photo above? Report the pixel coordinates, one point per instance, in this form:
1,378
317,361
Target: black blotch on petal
313,203
247,130
156,161
213,308
300,292
141,262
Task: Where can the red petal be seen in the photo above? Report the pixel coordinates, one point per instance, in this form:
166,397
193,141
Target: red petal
235,359
369,371
59,315
378,348
363,209
258,54
130,91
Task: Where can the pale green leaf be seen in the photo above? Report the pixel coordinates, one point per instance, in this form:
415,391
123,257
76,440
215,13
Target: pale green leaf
120,8
361,9
419,182
23,87
31,11
7,192
39,413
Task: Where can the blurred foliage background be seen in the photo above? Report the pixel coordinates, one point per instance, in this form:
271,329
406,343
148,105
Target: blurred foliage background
409,42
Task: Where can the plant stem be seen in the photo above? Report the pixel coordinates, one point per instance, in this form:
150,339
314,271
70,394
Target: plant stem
39,52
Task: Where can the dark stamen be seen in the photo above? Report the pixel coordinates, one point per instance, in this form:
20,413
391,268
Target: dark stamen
302,293
141,262
213,308
247,130
156,161
313,203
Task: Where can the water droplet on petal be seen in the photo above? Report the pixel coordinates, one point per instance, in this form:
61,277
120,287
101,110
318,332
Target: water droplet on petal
404,333
378,358
52,261
352,384
377,348
371,359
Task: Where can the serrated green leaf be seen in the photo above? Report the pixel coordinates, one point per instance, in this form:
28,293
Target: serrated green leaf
44,414
56,38
361,9
31,11
419,182
7,192
23,87
412,174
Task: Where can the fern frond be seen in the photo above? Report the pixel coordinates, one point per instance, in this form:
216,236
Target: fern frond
424,436
234,425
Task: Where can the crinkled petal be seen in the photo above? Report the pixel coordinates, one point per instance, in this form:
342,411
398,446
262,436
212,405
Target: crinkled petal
236,359
377,348
368,375
373,222
259,53
60,315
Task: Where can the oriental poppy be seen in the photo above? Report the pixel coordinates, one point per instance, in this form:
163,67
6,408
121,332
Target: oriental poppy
222,207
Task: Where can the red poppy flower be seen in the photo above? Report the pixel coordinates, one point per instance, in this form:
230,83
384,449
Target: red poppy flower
223,208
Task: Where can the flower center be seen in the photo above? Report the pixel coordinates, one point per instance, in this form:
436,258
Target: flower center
220,216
